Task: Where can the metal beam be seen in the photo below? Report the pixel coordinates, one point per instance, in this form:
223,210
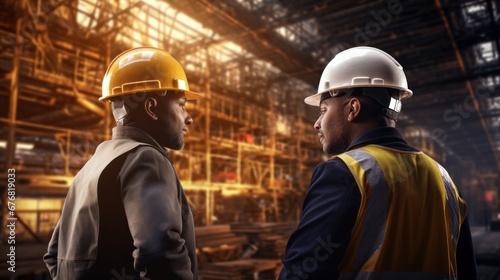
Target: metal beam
468,83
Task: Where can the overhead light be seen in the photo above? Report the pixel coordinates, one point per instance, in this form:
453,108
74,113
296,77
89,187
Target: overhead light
19,145
24,146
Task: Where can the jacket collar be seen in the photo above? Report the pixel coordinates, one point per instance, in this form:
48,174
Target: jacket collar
136,134
383,136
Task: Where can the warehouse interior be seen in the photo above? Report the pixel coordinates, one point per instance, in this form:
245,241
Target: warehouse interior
252,146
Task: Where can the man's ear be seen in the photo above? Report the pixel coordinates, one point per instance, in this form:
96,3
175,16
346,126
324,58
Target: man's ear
150,106
354,107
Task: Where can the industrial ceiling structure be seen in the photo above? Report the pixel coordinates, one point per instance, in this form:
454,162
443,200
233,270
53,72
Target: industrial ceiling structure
449,51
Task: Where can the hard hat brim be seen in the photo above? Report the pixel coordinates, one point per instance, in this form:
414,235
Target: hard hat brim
191,95
314,100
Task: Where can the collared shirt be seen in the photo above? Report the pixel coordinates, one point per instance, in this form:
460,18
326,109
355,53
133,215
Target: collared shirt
330,211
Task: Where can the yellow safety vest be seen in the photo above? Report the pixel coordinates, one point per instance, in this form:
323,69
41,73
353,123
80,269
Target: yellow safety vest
409,219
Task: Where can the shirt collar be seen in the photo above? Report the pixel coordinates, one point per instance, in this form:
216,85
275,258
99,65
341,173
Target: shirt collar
383,136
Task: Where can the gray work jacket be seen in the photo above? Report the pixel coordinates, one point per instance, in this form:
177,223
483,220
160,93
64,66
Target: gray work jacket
125,216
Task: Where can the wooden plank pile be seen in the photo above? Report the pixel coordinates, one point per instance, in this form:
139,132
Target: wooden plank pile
272,246
242,251
218,244
275,228
269,238
220,235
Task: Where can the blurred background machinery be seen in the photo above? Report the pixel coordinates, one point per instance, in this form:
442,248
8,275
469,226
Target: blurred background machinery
252,147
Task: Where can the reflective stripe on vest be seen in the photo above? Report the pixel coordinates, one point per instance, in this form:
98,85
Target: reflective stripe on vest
376,190
376,211
451,198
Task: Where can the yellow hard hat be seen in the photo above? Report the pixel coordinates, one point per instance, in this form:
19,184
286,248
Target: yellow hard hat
144,69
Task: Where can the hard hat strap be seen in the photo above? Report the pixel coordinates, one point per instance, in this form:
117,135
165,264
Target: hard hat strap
391,114
333,93
388,98
395,105
119,110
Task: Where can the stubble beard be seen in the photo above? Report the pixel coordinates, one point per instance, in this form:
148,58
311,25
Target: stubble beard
336,146
172,138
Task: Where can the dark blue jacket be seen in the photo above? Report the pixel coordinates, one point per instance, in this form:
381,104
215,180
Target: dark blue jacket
329,213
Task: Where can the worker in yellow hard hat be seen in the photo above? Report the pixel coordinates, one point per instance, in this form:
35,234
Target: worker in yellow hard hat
126,215
378,208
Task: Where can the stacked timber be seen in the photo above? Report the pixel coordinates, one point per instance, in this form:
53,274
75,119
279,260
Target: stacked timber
215,236
271,246
242,251
218,244
284,228
270,239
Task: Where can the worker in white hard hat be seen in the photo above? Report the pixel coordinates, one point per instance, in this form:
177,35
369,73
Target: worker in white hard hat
378,208
126,215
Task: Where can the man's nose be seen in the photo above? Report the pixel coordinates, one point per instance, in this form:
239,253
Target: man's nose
189,120
317,124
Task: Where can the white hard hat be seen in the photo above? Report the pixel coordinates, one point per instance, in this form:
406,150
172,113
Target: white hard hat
361,67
